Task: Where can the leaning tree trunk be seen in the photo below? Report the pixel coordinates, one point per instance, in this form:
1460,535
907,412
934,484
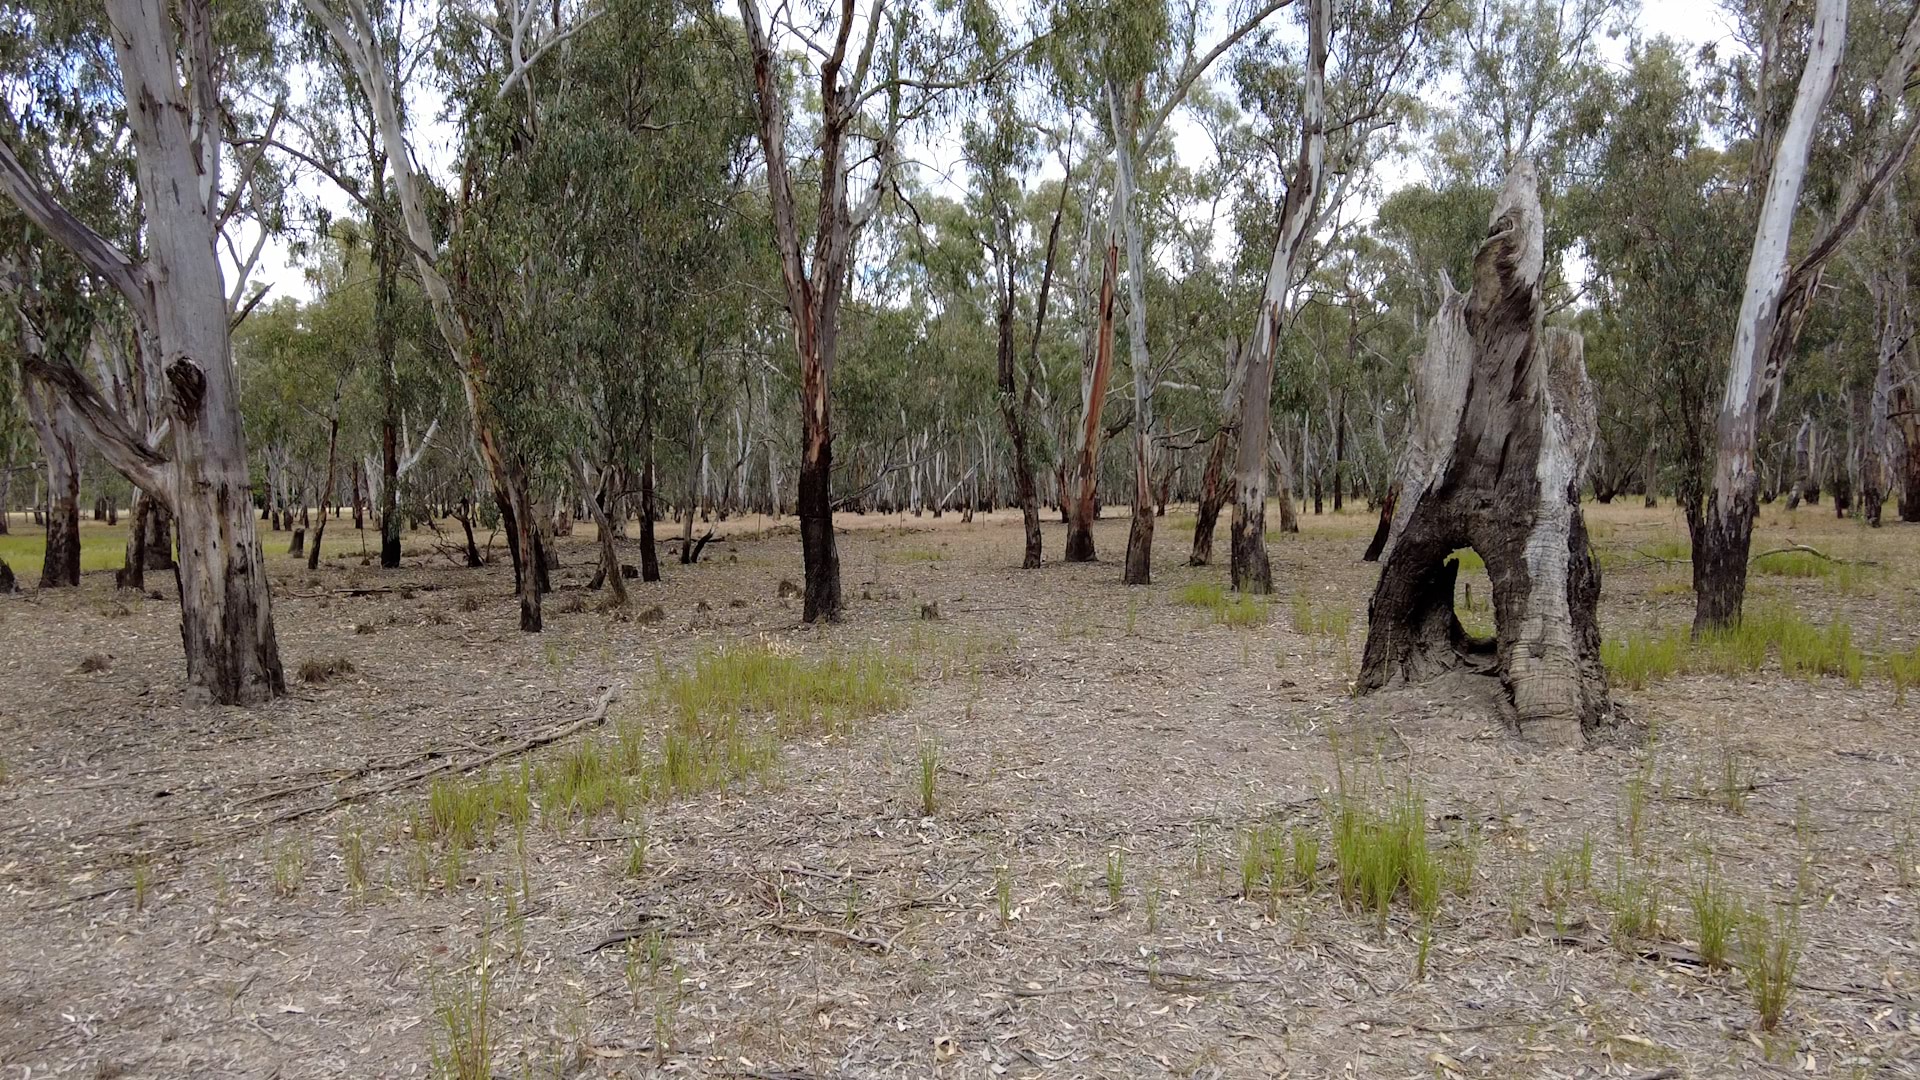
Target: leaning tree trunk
1496,453
609,554
1760,340
1213,496
1093,397
54,425
326,497
1251,570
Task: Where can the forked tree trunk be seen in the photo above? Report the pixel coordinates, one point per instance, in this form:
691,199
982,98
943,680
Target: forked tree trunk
1760,341
166,68
1093,397
1496,454
609,554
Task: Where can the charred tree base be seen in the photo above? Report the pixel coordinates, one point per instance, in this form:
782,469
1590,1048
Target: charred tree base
1079,543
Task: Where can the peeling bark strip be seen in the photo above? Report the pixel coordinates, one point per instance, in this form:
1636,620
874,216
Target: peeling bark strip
1496,452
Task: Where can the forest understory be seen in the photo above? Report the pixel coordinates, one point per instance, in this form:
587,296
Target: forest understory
994,823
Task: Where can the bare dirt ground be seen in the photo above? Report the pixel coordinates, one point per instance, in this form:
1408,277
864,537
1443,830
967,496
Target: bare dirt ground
174,882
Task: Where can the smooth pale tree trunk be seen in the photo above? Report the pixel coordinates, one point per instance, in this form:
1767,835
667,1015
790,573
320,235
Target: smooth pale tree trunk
182,313
1093,396
59,438
1250,568
1496,453
1725,536
1139,566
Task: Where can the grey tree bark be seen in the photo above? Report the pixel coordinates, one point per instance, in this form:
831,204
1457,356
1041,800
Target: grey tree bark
1496,454
167,66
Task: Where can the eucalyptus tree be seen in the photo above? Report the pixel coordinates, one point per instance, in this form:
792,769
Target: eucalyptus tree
1656,220
500,58
174,59
1872,58
874,76
1111,59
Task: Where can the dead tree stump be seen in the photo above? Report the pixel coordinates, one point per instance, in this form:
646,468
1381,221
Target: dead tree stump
1496,452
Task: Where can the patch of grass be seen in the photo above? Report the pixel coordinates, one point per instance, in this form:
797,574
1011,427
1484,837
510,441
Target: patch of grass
1805,651
801,696
1116,876
1770,958
142,883
1327,622
1227,608
1638,914
319,671
1638,659
911,555
1470,561
727,716
637,855
353,855
463,1013
1305,869
465,813
1846,577
102,547
1716,913
289,869
1383,855
1902,669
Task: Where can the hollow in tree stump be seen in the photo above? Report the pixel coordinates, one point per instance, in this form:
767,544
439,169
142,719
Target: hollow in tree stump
1497,449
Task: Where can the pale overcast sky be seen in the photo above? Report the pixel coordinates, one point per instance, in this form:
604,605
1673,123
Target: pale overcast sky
1692,21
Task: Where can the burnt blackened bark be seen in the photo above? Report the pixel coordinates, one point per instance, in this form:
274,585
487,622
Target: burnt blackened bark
1497,452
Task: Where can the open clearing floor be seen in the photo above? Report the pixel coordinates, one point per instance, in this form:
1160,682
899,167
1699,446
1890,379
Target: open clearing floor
1106,883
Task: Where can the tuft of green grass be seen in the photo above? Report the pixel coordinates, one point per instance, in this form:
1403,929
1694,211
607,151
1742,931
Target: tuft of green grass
289,869
1638,914
1227,608
1383,855
1716,913
1325,622
727,716
1805,651
1770,947
353,851
1902,669
1638,659
463,1046
637,855
1116,876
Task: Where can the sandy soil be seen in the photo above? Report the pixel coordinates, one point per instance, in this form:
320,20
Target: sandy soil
174,898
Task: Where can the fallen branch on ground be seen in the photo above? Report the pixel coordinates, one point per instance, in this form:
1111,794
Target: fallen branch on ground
593,718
